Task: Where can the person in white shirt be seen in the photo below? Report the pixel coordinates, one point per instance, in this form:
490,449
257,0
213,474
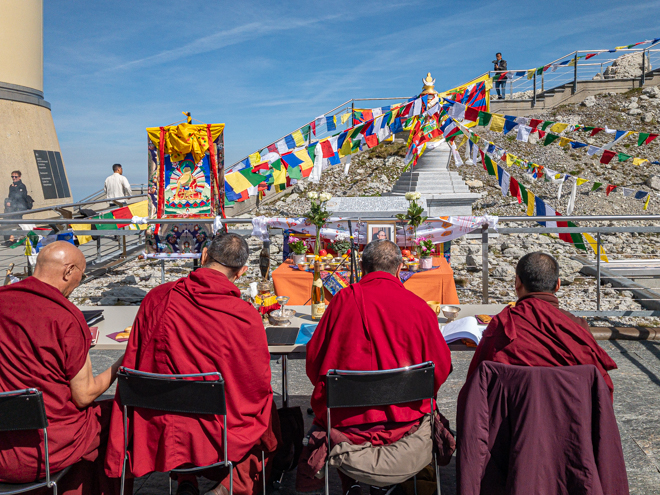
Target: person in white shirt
117,186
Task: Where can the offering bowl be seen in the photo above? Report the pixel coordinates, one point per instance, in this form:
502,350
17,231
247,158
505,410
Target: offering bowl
450,312
303,266
413,267
277,317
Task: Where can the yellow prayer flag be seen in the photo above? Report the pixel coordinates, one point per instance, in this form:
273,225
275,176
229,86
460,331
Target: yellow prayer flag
571,63
306,160
298,138
646,203
530,203
510,159
345,117
345,149
581,181
463,141
639,161
592,242
564,142
279,176
139,209
530,73
238,182
558,127
255,159
497,123
83,239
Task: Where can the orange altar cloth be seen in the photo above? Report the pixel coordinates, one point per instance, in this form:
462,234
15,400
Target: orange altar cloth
431,285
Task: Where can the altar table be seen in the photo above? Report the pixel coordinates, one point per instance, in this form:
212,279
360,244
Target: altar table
430,285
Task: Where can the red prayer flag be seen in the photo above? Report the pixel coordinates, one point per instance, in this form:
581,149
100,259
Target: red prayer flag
260,166
124,212
514,189
609,189
534,123
273,149
367,115
607,156
596,131
650,138
589,55
542,134
371,140
312,124
565,236
326,147
471,114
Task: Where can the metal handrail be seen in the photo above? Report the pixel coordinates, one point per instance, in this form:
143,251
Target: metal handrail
69,205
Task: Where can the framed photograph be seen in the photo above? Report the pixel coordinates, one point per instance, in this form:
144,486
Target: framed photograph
381,231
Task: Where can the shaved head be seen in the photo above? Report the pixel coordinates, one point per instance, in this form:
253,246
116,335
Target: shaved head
381,256
62,265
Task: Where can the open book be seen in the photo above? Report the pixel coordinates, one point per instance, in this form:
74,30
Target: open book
463,328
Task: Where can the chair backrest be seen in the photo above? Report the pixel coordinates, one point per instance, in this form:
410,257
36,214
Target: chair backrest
22,410
380,388
199,393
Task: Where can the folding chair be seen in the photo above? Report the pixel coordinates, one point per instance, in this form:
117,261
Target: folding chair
175,394
24,410
346,388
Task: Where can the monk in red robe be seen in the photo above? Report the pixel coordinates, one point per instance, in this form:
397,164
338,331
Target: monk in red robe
44,344
375,324
200,324
536,332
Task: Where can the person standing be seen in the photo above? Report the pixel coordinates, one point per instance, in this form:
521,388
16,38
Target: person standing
117,186
17,199
500,84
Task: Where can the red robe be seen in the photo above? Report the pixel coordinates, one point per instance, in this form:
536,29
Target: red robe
402,330
197,324
44,342
537,333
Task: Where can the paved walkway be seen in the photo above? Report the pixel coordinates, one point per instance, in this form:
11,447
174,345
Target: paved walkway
636,404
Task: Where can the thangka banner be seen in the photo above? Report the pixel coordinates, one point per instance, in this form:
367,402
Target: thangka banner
439,230
186,180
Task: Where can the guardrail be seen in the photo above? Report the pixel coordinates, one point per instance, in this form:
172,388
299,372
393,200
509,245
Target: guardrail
606,235
580,70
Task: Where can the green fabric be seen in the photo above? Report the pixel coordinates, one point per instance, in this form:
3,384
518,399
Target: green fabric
623,157
311,151
550,138
578,241
305,132
523,193
490,166
106,226
587,128
254,179
484,118
642,138
596,186
546,124
294,172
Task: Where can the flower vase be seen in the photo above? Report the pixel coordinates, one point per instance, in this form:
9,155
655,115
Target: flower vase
426,262
298,258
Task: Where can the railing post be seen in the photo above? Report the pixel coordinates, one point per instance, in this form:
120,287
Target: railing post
598,271
575,60
534,92
98,247
643,80
352,113
484,264
543,81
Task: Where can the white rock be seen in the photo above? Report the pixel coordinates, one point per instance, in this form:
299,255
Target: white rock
653,182
648,117
651,91
589,101
635,111
627,66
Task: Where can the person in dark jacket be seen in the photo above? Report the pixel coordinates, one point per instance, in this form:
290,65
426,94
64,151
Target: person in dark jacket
500,84
17,199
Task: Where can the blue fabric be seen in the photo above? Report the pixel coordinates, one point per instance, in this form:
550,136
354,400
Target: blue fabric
305,333
540,208
509,125
396,126
330,123
641,194
334,159
290,142
576,145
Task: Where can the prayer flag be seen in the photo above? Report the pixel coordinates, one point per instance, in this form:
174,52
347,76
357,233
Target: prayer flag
484,118
645,138
609,189
564,141
596,186
534,123
558,127
330,122
623,157
572,238
592,242
549,139
607,156
581,181
290,142
530,203
504,179
472,114
326,148
639,161
544,210
523,133
282,146
575,145
546,124
298,138
510,159
596,130
496,122
490,166
509,125
254,158
514,189
345,117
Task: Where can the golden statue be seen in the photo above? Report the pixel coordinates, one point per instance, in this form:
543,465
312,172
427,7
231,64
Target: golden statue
186,185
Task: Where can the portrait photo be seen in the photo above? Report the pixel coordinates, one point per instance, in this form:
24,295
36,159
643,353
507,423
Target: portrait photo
381,231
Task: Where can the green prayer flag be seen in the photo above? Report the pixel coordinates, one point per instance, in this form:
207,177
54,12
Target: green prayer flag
277,164
523,193
106,226
596,186
311,151
549,138
305,132
577,239
294,172
623,157
642,137
546,124
490,167
587,128
254,179
484,118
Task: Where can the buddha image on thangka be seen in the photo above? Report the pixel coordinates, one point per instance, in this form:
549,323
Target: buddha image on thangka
185,238
188,188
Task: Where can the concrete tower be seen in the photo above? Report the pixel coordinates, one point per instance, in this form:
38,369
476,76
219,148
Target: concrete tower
28,141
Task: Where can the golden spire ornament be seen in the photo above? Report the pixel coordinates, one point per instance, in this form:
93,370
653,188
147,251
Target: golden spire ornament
428,83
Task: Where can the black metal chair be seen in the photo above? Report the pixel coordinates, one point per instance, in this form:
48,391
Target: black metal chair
175,394
346,388
24,410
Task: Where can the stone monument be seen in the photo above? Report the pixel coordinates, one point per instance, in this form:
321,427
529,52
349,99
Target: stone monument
443,190
366,208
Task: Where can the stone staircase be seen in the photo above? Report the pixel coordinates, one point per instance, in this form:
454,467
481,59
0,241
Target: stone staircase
430,182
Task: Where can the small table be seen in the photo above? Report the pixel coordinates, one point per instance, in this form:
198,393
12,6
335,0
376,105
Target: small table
430,285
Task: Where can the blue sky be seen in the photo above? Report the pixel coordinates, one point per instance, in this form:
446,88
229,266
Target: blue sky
111,69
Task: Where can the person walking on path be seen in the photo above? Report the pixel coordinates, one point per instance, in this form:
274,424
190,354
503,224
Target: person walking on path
117,186
500,83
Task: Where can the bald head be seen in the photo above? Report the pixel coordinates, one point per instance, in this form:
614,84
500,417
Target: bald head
62,265
381,256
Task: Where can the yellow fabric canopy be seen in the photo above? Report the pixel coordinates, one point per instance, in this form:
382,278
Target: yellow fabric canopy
185,138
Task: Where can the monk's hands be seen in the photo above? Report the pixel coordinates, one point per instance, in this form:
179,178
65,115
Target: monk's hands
86,388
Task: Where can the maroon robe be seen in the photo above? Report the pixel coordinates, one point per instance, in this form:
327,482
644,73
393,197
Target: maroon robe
401,330
44,342
535,332
197,324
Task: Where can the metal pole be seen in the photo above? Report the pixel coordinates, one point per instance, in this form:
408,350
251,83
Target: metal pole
575,73
285,391
543,81
98,247
598,271
352,112
643,68
123,246
162,271
484,264
534,92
